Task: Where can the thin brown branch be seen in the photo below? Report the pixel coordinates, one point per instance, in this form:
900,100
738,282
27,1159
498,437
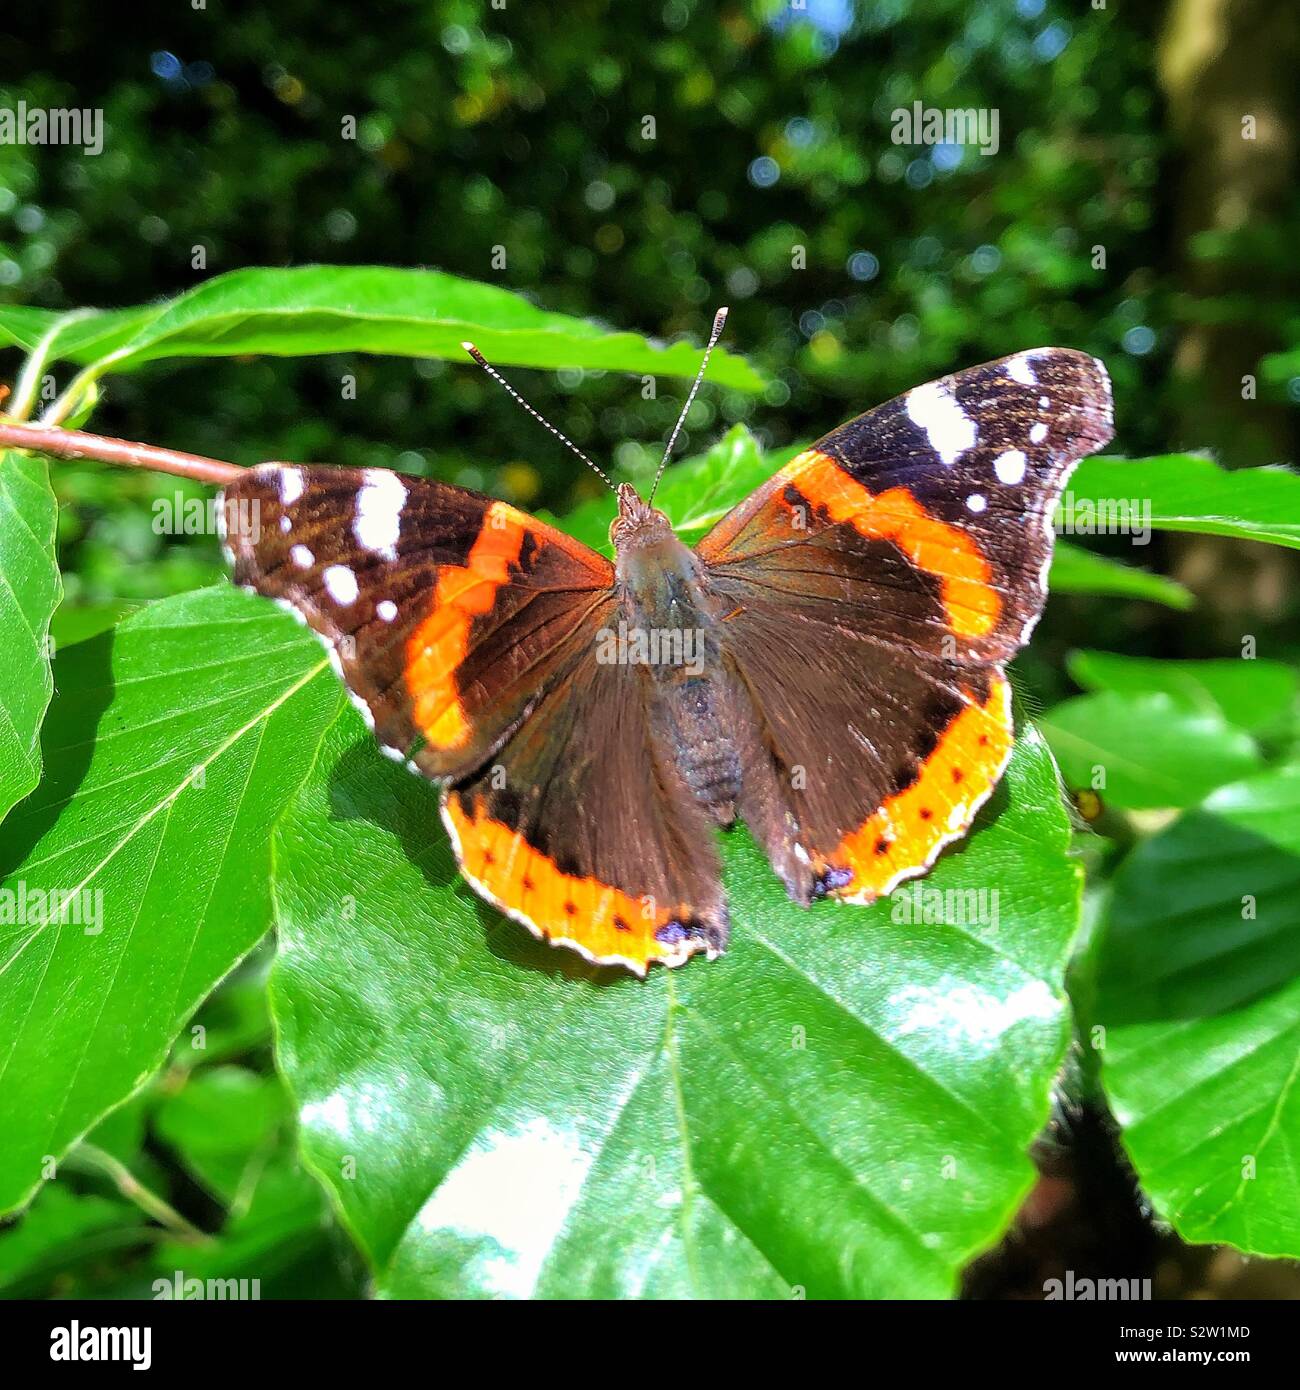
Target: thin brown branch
76,444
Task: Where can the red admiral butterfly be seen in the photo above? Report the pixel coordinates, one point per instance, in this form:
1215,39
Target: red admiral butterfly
827,664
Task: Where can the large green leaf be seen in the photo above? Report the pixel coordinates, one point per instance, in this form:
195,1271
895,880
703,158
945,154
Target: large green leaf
1251,694
1187,492
30,590
1199,994
170,750
840,1104
1146,750
308,310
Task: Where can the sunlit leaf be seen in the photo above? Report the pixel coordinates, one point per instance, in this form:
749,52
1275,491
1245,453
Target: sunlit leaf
1199,995
1252,694
1146,750
497,1118
308,310
1188,492
138,872
30,589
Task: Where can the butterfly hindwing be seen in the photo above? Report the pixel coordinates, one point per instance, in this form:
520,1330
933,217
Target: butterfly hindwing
582,828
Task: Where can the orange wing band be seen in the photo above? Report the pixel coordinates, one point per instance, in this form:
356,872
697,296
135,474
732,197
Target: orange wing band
908,831
603,923
971,604
440,644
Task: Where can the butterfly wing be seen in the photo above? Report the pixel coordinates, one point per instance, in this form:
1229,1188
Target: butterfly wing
903,560
466,633
444,611
582,828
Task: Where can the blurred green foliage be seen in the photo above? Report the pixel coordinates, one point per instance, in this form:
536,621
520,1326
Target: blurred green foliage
479,128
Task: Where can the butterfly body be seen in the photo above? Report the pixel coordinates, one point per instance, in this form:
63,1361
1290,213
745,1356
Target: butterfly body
826,665
670,626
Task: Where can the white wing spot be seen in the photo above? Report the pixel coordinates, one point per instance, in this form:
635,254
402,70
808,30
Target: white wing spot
292,485
976,502
341,585
386,609
302,557
1018,369
1038,433
947,426
1043,402
378,520
285,524
1010,467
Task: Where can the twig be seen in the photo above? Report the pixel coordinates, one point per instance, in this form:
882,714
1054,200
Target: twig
91,1157
76,444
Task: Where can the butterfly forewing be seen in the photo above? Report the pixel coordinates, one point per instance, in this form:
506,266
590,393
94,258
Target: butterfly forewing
443,610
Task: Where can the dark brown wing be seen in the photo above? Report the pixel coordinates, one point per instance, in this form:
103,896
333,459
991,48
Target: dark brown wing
874,589
466,632
960,478
581,826
443,609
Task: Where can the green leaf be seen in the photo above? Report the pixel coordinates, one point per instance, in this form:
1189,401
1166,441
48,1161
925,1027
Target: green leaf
1152,750
30,590
222,1121
63,1228
86,338
1187,492
316,309
170,750
76,624
1078,571
1251,694
840,1103
1199,994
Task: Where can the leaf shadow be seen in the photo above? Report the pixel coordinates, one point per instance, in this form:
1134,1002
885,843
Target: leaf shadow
83,683
364,785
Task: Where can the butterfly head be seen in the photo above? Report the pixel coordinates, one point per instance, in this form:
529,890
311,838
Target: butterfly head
637,524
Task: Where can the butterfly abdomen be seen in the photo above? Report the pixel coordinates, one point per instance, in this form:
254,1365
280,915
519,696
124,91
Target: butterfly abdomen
670,621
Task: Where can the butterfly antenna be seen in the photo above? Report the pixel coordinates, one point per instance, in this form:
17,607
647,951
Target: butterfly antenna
536,414
718,320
